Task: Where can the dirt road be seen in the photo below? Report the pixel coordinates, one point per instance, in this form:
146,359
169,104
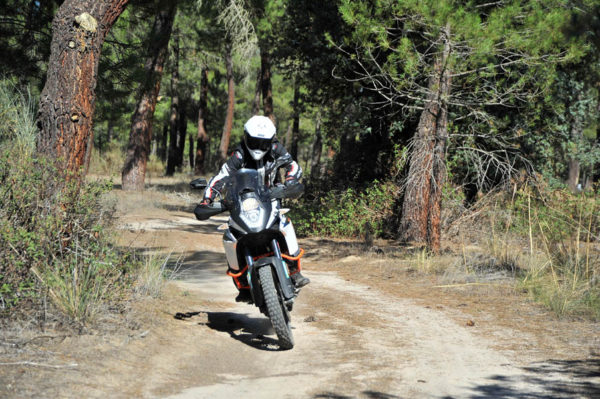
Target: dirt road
360,332
352,340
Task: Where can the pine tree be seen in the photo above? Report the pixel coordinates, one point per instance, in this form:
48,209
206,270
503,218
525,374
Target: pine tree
447,56
138,149
67,102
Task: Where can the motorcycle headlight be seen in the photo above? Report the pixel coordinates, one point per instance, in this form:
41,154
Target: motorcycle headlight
250,204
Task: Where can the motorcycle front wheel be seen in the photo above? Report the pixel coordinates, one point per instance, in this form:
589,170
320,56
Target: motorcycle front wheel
275,309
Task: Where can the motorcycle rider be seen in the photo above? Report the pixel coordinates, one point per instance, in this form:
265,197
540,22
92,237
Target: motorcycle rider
259,150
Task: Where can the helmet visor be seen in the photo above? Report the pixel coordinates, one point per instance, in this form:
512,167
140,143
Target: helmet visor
257,143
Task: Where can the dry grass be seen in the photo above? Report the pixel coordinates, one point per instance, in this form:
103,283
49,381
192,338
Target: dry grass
154,273
547,240
109,163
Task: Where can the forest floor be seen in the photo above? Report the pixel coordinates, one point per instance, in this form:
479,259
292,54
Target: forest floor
368,326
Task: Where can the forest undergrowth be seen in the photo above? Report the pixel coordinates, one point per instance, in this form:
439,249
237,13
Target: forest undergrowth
59,262
544,241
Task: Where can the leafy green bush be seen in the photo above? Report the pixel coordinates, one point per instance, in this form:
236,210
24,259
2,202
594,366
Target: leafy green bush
347,213
54,240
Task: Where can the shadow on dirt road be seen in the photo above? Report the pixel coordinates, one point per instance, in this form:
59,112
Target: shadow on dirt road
249,330
242,327
554,378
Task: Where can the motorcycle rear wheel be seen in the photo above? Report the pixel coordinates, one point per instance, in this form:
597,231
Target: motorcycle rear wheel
275,309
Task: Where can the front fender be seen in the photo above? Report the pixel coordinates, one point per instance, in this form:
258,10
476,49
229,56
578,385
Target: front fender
280,271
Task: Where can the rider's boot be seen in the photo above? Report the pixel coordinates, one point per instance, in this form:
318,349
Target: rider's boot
297,278
244,296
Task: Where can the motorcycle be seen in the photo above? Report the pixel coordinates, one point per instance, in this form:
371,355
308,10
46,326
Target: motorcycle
259,243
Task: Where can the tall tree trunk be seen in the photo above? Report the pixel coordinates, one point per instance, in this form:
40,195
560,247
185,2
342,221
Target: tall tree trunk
181,133
288,135
174,113
421,209
267,90
138,149
28,30
66,109
191,152
162,148
296,121
225,137
257,90
202,137
317,149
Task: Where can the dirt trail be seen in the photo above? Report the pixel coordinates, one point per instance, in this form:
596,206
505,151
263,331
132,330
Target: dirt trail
352,340
355,338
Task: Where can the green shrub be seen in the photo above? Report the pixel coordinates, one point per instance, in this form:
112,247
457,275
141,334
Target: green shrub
54,240
347,213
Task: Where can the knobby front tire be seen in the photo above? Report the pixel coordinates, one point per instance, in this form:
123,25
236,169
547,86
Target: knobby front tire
279,317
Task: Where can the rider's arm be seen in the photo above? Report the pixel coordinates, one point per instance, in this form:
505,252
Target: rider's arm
216,183
293,171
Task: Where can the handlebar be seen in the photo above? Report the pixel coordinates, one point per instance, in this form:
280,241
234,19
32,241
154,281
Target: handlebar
205,211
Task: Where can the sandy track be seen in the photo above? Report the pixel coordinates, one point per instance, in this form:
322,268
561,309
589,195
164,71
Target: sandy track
351,341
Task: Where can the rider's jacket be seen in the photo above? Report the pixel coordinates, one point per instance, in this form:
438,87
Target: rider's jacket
241,158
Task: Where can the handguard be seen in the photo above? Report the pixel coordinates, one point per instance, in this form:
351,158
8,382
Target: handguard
205,211
291,191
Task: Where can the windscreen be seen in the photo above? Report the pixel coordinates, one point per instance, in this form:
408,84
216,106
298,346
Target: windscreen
248,200
246,180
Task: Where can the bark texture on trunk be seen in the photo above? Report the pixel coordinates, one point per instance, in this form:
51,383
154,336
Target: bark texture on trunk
225,137
296,122
421,209
317,149
138,149
267,90
257,90
191,151
202,137
181,133
67,101
174,113
162,148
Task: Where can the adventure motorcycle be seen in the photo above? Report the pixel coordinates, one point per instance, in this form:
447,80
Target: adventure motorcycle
260,243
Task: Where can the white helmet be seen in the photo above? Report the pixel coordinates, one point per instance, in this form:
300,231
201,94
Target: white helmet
258,136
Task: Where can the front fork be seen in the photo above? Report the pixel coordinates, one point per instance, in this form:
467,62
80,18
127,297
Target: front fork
281,275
